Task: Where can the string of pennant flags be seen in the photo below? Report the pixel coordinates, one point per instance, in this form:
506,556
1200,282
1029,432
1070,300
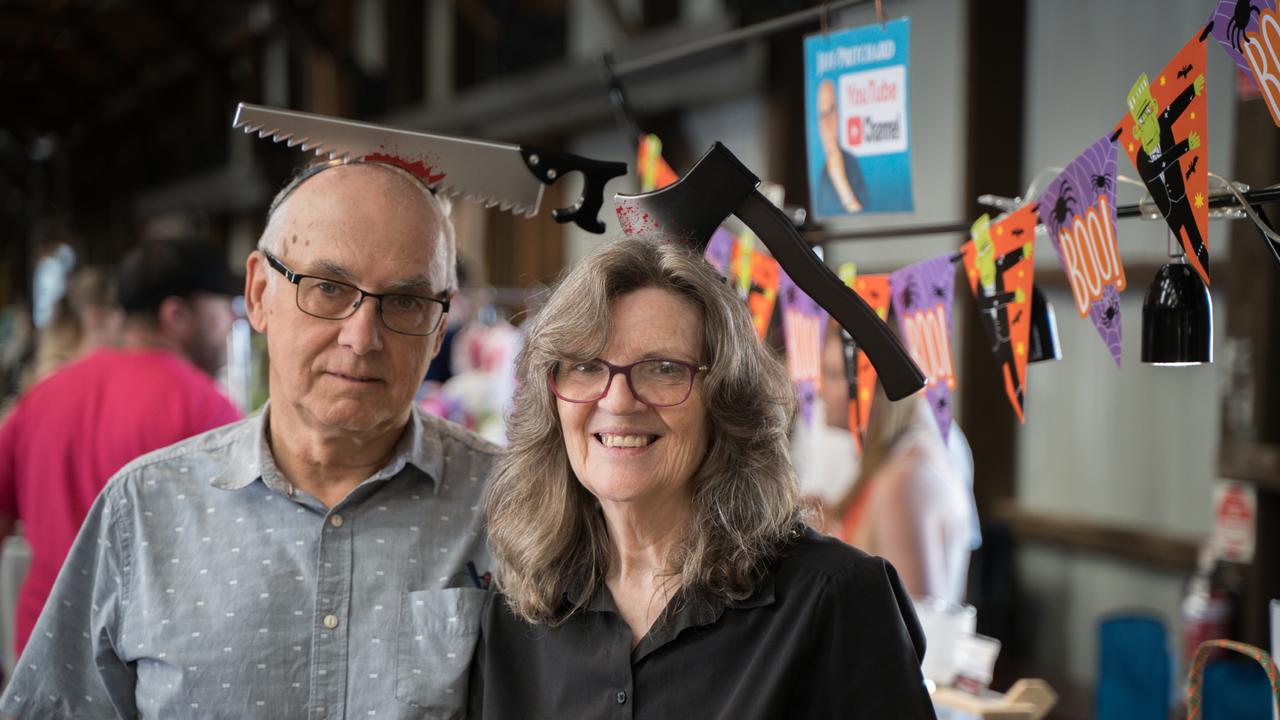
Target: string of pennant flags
1163,132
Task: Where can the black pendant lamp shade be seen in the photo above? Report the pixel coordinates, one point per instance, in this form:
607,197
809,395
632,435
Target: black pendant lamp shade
1177,318
1044,329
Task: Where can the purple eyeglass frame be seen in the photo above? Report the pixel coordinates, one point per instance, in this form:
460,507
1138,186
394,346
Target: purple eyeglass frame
625,371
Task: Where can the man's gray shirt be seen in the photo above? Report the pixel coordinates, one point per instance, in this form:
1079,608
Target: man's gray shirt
202,584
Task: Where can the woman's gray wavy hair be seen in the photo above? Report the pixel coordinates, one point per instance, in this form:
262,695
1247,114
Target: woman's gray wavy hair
546,530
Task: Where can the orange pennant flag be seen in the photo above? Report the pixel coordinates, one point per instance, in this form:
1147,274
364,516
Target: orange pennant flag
1165,134
655,173
999,261
874,290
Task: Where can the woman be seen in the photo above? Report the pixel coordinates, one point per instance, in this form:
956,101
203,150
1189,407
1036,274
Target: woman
86,318
646,524
911,501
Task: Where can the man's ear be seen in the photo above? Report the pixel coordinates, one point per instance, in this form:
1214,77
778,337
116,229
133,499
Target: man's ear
255,290
174,318
439,336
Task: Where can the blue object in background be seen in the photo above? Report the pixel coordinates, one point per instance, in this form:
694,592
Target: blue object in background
1236,688
1135,668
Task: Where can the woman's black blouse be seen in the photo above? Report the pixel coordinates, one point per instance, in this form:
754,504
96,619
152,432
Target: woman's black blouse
830,632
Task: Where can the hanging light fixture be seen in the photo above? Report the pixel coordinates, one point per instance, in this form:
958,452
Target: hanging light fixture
1177,316
1043,341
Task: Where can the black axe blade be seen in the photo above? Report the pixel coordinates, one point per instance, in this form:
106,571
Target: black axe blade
719,185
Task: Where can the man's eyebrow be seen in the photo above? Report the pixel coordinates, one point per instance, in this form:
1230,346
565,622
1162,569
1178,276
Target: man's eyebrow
419,284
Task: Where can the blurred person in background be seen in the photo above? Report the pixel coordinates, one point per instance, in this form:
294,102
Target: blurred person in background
71,431
910,502
87,317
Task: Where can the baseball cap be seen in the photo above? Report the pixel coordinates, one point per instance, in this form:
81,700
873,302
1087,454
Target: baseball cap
153,271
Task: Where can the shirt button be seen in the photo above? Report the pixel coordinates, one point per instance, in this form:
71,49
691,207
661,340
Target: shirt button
335,520
331,621
622,697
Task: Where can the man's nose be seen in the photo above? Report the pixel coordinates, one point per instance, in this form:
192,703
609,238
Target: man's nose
362,332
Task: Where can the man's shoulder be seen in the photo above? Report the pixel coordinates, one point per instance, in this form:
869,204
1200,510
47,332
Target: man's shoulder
195,458
451,435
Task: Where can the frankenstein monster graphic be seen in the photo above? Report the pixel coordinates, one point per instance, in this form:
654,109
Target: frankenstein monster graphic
1158,160
993,299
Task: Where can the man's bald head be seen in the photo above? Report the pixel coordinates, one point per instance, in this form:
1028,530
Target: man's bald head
363,189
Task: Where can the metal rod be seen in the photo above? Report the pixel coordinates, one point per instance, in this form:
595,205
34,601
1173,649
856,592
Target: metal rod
798,18
1225,200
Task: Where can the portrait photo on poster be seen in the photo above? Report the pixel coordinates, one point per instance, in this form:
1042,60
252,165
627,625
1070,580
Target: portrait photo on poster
856,120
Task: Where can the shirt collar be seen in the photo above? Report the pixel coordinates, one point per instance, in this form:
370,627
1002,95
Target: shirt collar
690,612
249,455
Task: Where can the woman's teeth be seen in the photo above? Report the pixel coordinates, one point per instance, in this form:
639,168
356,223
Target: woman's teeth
626,441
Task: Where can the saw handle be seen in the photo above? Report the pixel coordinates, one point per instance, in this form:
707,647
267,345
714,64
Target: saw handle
551,165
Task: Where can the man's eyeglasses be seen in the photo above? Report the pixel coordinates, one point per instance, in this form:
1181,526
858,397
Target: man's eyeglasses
334,300
656,383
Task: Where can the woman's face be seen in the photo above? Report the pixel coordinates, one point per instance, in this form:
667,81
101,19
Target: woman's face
622,450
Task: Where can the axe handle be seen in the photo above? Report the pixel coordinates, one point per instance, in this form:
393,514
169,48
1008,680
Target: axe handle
898,372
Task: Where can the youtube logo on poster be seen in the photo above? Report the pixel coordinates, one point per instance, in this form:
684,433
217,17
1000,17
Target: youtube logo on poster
853,131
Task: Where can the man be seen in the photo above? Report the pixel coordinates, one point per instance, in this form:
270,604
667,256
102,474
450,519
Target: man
315,560
841,188
81,424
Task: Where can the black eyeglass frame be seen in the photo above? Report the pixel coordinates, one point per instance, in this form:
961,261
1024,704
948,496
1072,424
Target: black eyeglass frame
297,278
625,372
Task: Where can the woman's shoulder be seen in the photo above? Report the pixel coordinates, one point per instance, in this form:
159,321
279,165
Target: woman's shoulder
814,556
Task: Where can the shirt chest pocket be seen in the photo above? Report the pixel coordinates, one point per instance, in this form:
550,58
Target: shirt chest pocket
437,637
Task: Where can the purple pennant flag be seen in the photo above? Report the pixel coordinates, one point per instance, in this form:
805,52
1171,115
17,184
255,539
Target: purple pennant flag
804,325
1079,210
720,250
1234,22
922,296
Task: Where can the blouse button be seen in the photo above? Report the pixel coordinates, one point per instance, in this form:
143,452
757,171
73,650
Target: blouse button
622,697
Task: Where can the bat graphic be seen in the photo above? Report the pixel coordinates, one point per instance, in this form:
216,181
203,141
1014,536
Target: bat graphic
1185,71
1016,318
1194,162
1017,231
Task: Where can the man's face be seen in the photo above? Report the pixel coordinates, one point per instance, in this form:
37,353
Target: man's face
369,227
828,116
212,319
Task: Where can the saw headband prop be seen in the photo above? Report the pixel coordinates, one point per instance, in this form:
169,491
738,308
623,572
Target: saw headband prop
512,177
691,209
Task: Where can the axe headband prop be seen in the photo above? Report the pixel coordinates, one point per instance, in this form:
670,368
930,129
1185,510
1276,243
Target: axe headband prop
691,208
509,176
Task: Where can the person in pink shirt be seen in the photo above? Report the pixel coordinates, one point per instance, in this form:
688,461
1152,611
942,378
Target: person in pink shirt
74,429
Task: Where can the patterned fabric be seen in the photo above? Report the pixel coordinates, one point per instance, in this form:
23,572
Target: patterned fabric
1195,676
203,584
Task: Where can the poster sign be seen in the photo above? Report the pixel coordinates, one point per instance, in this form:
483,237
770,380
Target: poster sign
1079,210
856,120
1235,512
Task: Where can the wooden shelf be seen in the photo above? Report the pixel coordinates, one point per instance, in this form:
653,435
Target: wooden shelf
1258,463
1159,550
